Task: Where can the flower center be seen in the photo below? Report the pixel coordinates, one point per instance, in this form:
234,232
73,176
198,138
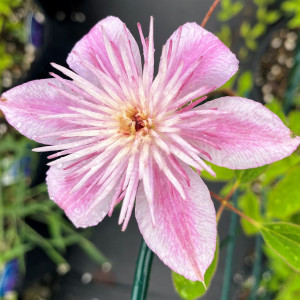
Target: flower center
133,120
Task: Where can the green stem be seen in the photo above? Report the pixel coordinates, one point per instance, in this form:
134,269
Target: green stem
142,273
229,252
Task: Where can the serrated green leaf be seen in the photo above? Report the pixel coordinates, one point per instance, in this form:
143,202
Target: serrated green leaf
249,204
191,290
283,199
284,239
248,175
276,264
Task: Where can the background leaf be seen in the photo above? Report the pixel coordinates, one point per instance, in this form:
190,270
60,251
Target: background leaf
283,199
248,175
249,204
284,239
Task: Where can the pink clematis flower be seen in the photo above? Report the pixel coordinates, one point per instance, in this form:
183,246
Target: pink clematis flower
124,135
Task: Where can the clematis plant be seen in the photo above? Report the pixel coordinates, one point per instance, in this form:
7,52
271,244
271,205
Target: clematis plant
125,135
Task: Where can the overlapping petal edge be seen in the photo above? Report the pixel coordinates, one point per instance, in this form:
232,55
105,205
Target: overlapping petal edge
116,126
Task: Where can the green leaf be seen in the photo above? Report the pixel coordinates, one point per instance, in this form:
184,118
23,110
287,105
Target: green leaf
243,52
273,16
283,200
294,22
248,175
225,35
236,8
291,290
276,108
279,168
222,174
251,44
245,29
258,30
5,9
191,290
245,83
284,239
293,121
249,204
261,12
289,6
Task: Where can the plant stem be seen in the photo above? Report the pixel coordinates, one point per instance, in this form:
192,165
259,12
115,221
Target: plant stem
226,199
229,253
225,202
142,273
209,13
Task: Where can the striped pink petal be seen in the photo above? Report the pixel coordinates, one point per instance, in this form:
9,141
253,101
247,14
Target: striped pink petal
184,236
110,48
245,134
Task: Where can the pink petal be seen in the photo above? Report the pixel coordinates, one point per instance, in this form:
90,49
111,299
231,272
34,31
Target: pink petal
191,45
30,107
93,49
87,206
248,135
184,236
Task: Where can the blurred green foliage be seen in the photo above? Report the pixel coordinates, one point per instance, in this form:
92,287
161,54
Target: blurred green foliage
13,38
292,9
23,209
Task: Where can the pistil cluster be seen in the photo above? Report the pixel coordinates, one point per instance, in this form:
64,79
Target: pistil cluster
133,120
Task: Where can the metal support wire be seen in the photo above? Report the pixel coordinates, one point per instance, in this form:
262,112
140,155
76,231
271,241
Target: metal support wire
230,251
